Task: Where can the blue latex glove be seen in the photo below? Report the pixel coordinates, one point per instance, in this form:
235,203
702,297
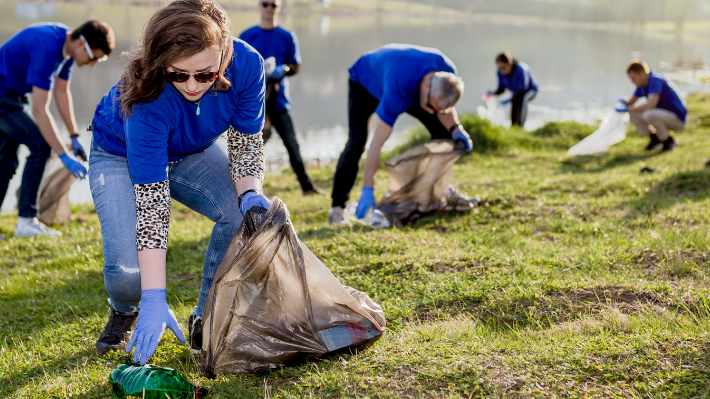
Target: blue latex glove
78,148
74,166
505,102
154,316
366,201
461,136
251,200
278,73
621,105
490,93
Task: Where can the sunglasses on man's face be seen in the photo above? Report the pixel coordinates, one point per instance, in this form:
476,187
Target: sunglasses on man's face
91,53
181,77
266,4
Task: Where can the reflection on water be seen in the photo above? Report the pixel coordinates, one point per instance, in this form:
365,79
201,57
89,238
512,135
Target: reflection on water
581,72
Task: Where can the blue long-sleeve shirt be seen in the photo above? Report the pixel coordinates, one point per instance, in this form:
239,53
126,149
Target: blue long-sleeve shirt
520,80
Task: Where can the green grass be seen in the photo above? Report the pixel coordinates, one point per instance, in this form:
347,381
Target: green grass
576,277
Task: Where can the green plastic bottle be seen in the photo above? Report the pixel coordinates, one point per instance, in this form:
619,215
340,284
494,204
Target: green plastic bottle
152,382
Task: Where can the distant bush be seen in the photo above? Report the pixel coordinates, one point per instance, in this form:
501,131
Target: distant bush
489,138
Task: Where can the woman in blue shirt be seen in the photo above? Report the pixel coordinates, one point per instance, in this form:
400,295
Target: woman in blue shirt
516,77
156,138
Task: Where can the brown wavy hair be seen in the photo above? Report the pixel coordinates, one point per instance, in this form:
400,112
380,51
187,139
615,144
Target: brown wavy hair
177,31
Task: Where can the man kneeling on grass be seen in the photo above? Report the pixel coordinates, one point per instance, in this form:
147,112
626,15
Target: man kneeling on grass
389,81
665,110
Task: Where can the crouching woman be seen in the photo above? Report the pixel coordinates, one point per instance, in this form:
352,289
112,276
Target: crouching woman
157,137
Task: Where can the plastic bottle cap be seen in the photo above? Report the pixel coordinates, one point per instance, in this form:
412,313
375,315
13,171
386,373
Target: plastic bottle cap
201,392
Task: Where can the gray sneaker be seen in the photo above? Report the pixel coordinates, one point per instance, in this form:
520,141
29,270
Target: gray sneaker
30,227
336,217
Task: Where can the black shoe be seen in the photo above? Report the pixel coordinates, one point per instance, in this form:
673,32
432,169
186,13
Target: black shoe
668,145
655,142
195,334
117,332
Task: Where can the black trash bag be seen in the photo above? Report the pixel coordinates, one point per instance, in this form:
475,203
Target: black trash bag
420,183
274,302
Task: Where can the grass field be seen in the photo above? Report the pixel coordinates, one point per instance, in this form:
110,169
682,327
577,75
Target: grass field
576,277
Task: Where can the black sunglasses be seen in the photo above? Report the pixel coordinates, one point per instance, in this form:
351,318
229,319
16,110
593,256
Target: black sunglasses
202,77
266,4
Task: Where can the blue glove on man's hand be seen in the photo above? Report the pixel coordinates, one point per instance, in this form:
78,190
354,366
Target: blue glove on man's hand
461,136
505,102
154,316
366,201
278,73
252,199
74,166
78,148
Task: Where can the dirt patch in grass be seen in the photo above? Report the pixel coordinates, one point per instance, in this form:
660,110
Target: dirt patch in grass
551,307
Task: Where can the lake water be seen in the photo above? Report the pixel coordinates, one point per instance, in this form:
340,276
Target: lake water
581,71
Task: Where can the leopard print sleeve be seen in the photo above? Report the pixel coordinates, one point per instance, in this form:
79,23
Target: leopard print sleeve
246,155
153,211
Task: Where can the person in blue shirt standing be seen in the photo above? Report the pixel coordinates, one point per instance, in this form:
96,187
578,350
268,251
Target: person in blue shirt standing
279,47
516,77
38,61
389,81
664,110
156,137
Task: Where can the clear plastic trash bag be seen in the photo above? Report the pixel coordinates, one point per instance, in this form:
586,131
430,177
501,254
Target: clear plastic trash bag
611,131
494,111
54,193
419,179
274,302
374,217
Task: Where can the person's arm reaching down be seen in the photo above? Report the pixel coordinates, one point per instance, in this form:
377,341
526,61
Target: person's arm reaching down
153,222
247,166
372,163
65,105
40,110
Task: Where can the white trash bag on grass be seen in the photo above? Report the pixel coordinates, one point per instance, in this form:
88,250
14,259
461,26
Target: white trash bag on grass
611,131
494,111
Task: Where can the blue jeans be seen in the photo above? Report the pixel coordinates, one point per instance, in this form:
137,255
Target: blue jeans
201,181
17,127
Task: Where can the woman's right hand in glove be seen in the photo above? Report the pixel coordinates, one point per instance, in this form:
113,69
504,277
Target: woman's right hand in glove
154,316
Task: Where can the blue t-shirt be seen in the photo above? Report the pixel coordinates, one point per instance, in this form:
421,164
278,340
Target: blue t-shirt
520,80
670,100
281,44
393,73
34,57
169,128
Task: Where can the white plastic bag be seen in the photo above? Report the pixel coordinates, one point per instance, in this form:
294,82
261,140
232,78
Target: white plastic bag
494,111
611,131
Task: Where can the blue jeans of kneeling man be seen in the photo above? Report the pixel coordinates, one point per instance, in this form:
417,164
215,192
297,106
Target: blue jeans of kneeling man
202,182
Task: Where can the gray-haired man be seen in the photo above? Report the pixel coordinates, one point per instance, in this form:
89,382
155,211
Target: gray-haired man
389,81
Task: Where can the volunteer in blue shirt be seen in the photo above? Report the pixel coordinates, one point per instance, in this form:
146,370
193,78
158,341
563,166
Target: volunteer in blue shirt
663,111
156,137
389,81
38,61
516,77
279,47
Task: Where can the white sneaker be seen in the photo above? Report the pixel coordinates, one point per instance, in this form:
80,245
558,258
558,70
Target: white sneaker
336,217
30,227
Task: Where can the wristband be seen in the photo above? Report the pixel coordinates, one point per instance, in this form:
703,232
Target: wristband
454,128
241,197
71,136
